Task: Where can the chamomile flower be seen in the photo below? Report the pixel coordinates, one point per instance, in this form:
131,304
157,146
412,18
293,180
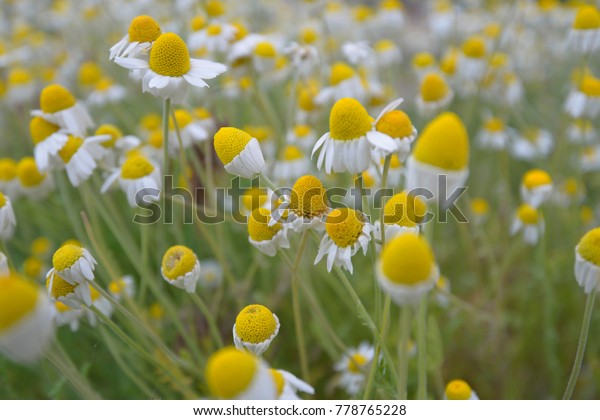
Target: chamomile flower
346,232
7,215
211,275
264,54
72,295
584,36
9,182
354,367
493,135
26,320
169,70
264,235
582,131
216,37
292,164
122,287
116,143
190,131
143,31
423,63
472,64
78,156
532,143
536,187
434,94
387,52
74,264
442,18
181,268
442,149
390,16
344,82
396,125
302,135
530,221
288,385
403,212
65,315
240,153
458,389
305,207
480,209
590,159
255,328
406,268
106,91
585,100
587,261
136,175
346,147
58,106
33,184
21,86
47,139
232,374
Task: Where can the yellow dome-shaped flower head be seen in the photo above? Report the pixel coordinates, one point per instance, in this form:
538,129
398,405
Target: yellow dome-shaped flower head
308,197
433,88
55,98
238,375
444,143
340,72
348,120
406,268
474,47
255,328
344,226
536,187
181,268
405,210
239,152
89,73
459,390
40,129
587,261
143,29
169,56
587,17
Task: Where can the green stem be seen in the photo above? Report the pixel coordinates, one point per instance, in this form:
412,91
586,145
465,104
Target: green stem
66,367
385,317
165,129
422,350
405,315
210,320
585,327
296,308
384,176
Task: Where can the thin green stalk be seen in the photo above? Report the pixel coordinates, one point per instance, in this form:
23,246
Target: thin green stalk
358,186
296,308
165,129
71,374
384,176
385,317
210,320
405,315
422,350
585,328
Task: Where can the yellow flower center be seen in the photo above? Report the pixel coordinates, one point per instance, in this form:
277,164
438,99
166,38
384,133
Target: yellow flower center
587,17
60,287
423,59
19,76
306,97
395,124
362,13
8,169
258,225
407,259
348,120
215,8
2,200
18,298
155,139
494,125
169,56
143,29
151,121
66,256
246,83
395,162
178,261
265,49
255,324
70,148
104,84
28,173
344,226
259,132
309,198
156,311
89,73
433,88
229,372
536,178
589,246
110,130
583,125
61,307
94,294
241,30
527,214
309,36
448,62
40,129
183,119
480,206
117,286
369,180
55,98
356,363
405,210
492,30
458,390
444,143
198,23
254,198
587,214
391,5
292,153
230,142
202,113
474,47
590,86
278,380
214,29
384,45
571,187
302,130
340,72
135,167
32,266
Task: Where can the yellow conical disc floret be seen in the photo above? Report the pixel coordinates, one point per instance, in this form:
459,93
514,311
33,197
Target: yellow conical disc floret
182,117
407,259
588,17
178,261
423,59
405,210
536,178
494,124
70,148
2,200
230,142
474,47
528,214
589,246
444,143
258,225
229,372
151,121
255,324
480,206
89,73
135,167
28,172
356,363
590,85
215,8
66,256
55,98
41,129
340,72
309,197
433,88
292,152
18,299
169,56
458,390
348,120
60,287
109,130
344,226
19,76
265,49
143,29
155,139
278,379
395,124
8,169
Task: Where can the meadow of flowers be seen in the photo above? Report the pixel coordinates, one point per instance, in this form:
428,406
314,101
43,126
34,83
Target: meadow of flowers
308,199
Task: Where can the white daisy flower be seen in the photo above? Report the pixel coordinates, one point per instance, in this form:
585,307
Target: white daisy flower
78,156
74,264
181,268
288,385
584,36
434,94
255,328
143,31
137,174
458,389
265,236
72,295
587,264
344,82
240,153
33,184
530,221
536,187
7,215
48,139
215,37
354,368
